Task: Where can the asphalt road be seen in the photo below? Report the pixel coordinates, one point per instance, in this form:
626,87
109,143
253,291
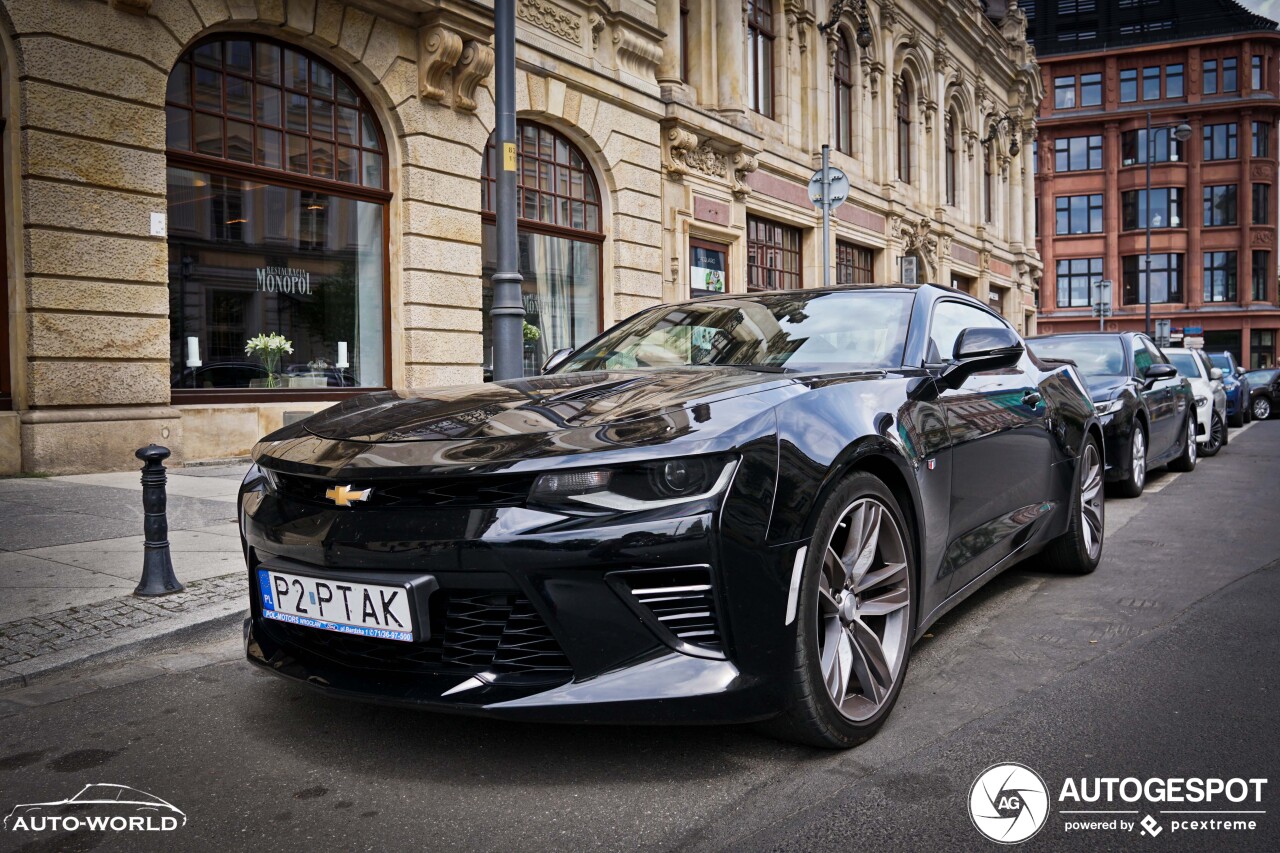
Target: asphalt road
1161,664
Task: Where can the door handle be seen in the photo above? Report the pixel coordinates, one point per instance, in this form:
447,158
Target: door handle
1031,398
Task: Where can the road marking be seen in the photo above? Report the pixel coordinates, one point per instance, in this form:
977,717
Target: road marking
1163,483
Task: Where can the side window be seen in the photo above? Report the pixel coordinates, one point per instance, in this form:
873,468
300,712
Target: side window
949,319
1157,357
1143,357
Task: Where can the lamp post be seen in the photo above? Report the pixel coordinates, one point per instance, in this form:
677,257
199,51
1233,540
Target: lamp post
508,308
863,39
1181,132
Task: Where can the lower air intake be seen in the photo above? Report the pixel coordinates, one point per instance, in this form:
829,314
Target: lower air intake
680,604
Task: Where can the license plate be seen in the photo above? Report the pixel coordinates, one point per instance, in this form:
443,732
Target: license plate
368,610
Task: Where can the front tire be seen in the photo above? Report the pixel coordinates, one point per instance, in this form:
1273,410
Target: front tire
1132,486
1186,461
1261,408
1217,438
854,619
1240,418
1079,550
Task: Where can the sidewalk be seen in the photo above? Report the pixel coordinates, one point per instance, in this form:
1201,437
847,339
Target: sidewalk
71,555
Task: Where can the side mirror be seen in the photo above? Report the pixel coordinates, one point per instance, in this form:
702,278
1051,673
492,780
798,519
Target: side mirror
982,349
1215,373
1155,372
556,359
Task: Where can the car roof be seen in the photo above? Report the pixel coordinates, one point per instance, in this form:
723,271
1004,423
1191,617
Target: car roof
1086,334
932,289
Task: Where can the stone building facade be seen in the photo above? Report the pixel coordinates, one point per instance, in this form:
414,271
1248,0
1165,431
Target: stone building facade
181,176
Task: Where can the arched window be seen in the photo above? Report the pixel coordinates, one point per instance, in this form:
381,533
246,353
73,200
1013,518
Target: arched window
988,187
844,95
277,197
561,236
760,35
953,162
904,130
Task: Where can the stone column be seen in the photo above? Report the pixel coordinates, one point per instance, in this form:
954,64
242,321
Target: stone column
670,72
731,66
1193,210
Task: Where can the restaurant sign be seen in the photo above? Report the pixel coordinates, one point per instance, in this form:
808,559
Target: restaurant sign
284,280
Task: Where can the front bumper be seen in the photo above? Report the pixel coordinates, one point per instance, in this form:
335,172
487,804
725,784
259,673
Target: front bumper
534,615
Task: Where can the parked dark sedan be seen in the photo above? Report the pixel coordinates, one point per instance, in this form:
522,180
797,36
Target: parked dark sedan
741,508
1264,392
1236,386
1148,412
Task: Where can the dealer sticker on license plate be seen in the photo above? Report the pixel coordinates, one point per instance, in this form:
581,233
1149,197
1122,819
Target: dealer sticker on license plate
368,610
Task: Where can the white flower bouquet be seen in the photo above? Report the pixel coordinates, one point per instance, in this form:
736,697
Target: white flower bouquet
270,348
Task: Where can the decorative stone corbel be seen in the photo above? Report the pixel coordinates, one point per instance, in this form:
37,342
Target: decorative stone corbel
941,54
888,14
929,109
637,54
472,68
679,147
597,22
743,165
438,50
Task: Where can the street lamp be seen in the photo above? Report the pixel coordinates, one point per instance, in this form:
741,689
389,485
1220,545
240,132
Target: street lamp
863,40
1010,124
1181,132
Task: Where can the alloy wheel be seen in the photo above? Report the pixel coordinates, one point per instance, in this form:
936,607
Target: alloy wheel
1139,444
1091,500
1261,409
1191,439
1216,430
863,597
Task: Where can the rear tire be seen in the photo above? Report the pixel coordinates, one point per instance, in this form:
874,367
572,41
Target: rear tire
1079,550
1217,438
1186,461
1261,408
1132,486
854,619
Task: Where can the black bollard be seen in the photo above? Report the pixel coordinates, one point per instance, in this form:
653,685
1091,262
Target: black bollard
157,566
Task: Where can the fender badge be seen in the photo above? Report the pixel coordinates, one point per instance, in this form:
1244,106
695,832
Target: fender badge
932,463
345,495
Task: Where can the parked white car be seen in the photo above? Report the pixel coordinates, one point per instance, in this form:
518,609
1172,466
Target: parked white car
1210,394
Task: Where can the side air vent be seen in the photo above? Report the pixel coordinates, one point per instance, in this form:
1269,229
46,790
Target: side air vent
679,604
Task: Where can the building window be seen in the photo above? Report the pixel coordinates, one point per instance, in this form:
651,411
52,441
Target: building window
1165,209
1165,277
1261,139
276,210
1173,81
844,95
1064,93
1151,84
1075,279
1165,147
1079,214
708,267
1261,204
1261,275
684,40
854,264
953,157
1077,153
1090,90
1255,77
988,188
773,255
1262,348
760,37
904,130
1220,141
1209,84
1230,80
1128,85
560,238
1219,205
1219,276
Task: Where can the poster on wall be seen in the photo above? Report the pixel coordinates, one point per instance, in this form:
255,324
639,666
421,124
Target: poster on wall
706,269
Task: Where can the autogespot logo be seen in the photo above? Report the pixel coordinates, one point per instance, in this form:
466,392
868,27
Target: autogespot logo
1008,803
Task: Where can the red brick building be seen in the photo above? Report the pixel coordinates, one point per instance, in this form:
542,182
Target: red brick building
1213,205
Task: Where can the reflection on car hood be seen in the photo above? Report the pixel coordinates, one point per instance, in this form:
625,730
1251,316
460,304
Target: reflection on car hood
534,405
1105,386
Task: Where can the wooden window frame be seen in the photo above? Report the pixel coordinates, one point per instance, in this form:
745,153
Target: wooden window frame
760,30
767,245
844,94
855,264
903,111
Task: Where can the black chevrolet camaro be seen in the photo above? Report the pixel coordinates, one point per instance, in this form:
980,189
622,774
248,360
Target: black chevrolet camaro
741,508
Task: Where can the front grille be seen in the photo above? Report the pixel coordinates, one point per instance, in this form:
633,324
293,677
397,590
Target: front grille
681,601
472,631
427,493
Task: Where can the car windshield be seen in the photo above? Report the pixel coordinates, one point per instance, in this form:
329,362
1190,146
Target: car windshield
1260,377
1095,355
1186,364
792,331
1221,360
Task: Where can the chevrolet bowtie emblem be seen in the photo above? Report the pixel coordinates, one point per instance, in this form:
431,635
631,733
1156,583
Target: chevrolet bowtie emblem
344,495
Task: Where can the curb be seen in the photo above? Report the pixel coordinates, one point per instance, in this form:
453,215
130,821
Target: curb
120,647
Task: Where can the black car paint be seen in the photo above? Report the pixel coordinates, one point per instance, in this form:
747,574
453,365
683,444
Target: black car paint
1269,390
1162,407
796,437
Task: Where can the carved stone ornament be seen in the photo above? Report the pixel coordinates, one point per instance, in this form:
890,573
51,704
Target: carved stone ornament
472,69
743,165
554,19
597,22
1262,238
941,54
888,14
919,239
438,50
685,153
133,7
637,54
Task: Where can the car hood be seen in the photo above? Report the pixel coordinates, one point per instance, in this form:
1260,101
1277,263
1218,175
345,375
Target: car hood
534,405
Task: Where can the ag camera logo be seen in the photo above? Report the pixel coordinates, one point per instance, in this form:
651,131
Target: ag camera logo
1008,803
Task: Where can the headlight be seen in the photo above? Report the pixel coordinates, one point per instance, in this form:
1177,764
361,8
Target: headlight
1106,407
259,476
642,485
1200,401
